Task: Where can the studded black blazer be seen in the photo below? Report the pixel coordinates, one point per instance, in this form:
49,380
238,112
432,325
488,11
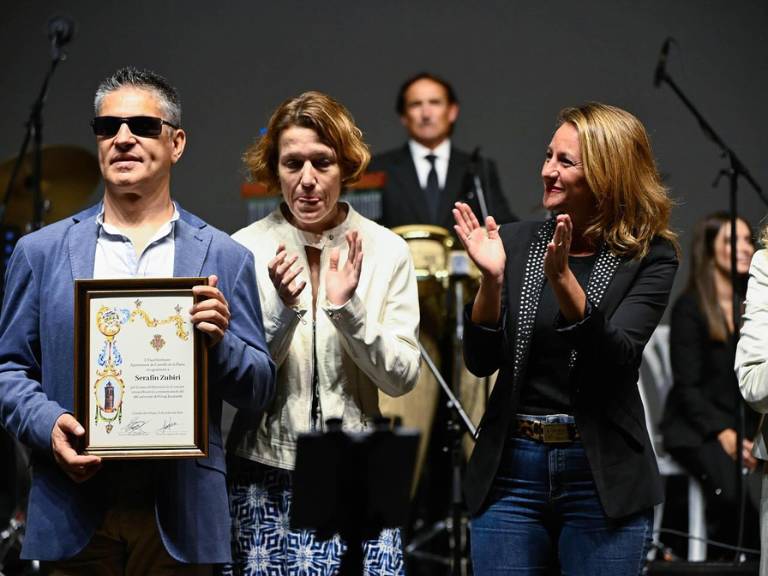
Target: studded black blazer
625,301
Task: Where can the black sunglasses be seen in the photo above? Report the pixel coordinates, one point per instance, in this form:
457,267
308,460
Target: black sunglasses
146,126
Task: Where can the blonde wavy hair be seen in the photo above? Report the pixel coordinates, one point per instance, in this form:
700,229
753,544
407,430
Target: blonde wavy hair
333,125
633,206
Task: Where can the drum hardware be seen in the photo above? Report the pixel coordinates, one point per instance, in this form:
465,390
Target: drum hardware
446,277
458,423
430,247
69,175
12,535
10,541
9,235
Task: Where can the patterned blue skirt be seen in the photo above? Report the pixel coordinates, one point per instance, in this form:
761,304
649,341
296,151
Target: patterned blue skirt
264,544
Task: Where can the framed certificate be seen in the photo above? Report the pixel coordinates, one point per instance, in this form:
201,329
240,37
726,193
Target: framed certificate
141,387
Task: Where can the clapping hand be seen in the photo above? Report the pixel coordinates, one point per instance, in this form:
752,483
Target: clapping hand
284,276
556,257
483,245
341,281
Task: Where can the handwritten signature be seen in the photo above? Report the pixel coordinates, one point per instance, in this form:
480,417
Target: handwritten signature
134,427
168,424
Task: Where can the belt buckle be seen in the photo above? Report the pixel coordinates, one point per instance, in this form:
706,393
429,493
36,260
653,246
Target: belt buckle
554,433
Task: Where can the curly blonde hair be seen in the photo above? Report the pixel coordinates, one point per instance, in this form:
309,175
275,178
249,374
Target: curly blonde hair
333,125
633,205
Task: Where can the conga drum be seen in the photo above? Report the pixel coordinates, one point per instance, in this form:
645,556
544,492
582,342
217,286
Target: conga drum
430,247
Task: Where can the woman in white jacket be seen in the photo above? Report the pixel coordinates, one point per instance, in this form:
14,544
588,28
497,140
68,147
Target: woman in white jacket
340,307
752,371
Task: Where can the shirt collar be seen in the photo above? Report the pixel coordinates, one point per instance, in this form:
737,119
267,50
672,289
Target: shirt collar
332,237
442,151
111,230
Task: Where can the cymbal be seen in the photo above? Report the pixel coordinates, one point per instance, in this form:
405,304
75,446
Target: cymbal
69,177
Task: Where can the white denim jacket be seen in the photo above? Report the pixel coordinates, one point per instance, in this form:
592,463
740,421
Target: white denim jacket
368,343
752,350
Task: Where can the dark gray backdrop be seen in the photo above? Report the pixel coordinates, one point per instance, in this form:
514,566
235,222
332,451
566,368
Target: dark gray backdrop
514,65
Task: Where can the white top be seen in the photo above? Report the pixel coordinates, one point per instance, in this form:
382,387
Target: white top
367,344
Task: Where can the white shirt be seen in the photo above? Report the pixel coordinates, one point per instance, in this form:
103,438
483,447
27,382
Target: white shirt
423,166
116,256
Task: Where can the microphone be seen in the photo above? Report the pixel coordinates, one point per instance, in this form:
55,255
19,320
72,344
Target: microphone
475,169
474,160
61,29
661,65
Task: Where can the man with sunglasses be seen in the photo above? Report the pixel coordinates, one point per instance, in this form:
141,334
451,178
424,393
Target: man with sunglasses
86,516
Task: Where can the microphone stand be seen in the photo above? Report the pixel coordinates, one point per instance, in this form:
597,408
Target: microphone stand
735,169
34,133
459,422
477,182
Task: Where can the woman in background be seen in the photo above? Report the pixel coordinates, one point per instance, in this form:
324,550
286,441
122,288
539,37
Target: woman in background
340,326
702,411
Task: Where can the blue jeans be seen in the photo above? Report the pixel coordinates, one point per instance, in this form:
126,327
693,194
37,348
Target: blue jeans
543,506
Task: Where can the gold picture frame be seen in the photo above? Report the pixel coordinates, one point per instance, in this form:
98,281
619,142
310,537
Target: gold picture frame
141,387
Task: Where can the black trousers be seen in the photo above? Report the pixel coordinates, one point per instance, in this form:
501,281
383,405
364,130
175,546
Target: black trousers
717,473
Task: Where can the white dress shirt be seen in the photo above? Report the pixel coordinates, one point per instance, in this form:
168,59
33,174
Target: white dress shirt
423,166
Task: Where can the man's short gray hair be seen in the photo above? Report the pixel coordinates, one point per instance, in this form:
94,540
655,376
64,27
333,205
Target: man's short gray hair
145,80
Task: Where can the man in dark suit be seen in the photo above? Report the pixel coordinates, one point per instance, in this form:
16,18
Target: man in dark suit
86,515
427,175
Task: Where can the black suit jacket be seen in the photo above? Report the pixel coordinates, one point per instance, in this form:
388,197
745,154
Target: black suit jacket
404,201
623,311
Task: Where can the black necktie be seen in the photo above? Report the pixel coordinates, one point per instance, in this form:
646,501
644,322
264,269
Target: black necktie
432,190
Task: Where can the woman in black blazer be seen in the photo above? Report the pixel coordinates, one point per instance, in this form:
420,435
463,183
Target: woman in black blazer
563,466
702,411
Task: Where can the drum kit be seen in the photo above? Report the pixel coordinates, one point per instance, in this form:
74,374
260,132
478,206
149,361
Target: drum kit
69,177
447,280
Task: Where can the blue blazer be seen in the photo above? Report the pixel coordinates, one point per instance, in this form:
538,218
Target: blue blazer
36,375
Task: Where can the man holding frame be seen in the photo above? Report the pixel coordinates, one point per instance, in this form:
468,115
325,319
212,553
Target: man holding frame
159,516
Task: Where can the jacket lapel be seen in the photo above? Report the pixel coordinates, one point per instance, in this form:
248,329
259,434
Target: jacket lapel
602,273
454,184
405,173
192,239
533,282
82,242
